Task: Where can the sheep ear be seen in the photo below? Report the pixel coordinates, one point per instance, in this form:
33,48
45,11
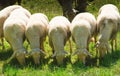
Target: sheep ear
54,55
32,52
64,52
87,53
42,52
75,53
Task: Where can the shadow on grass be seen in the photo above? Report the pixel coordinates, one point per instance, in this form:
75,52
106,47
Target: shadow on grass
5,54
47,62
107,61
110,59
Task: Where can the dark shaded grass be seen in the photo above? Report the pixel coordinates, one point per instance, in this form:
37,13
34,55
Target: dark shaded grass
107,61
4,55
110,59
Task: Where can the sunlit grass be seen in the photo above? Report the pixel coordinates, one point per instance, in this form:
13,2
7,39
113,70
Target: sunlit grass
109,66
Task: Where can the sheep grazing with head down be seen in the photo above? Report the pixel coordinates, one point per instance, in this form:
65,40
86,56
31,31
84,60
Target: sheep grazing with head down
36,31
4,14
14,32
59,33
108,22
83,28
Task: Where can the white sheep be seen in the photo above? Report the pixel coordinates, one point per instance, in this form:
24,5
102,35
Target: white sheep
14,32
83,28
108,21
58,33
36,31
4,13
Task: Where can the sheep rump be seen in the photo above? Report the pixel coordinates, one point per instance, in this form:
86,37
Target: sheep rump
59,33
108,22
14,32
4,14
36,31
82,29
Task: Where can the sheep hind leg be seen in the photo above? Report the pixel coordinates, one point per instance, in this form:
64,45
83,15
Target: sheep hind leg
112,45
115,41
70,44
42,44
51,45
2,44
42,48
2,40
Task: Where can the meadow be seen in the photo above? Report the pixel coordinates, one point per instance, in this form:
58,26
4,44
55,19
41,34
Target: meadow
109,66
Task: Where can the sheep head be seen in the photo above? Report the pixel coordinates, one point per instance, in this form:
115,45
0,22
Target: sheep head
59,56
102,48
82,54
36,55
20,55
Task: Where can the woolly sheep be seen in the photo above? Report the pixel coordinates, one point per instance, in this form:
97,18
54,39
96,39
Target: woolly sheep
83,27
4,13
36,31
108,21
14,30
58,33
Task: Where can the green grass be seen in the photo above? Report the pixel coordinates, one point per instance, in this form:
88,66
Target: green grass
109,66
